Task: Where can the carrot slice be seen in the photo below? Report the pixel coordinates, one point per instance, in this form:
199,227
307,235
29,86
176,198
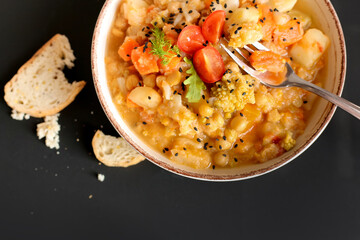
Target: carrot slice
174,63
267,22
126,49
268,61
144,61
288,34
208,3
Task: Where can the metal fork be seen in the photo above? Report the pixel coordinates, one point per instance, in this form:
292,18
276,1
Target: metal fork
291,79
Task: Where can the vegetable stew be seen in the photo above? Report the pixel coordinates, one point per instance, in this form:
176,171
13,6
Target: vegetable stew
177,88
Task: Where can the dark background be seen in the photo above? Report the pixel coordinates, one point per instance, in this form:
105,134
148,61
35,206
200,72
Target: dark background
44,195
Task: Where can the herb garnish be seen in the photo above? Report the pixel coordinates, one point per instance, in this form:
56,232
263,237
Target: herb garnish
196,85
162,47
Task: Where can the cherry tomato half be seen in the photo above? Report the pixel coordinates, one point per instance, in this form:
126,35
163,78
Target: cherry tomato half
209,64
191,39
213,26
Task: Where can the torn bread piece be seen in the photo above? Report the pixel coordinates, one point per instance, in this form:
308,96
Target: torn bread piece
49,130
114,152
19,115
40,88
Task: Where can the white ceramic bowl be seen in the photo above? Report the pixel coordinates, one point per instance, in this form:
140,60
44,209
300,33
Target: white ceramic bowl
333,74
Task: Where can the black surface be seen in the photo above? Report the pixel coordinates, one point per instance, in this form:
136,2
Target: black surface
46,196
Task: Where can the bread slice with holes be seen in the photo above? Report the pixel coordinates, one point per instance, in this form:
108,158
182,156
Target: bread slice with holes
40,88
114,152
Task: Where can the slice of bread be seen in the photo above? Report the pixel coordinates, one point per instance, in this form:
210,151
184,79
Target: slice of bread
40,88
114,152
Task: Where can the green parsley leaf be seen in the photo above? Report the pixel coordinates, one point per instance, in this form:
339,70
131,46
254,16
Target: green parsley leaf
162,47
196,85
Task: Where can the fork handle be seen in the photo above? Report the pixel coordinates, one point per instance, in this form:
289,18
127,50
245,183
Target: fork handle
338,101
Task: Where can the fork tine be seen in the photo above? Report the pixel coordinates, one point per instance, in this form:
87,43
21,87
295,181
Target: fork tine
241,64
242,54
248,49
238,51
261,47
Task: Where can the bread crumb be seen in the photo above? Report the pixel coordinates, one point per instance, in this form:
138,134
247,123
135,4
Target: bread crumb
49,130
19,115
101,177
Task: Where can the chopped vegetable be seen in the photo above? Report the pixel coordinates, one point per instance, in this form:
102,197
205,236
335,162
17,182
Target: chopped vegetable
244,27
191,39
171,65
233,92
267,22
144,61
126,49
213,27
302,17
196,85
282,5
309,50
267,61
162,47
209,64
288,34
288,142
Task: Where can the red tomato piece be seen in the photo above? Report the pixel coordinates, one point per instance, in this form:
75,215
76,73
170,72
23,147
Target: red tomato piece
191,39
213,27
209,64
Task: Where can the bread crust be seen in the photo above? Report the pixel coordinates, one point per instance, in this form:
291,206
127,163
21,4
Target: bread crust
41,113
124,163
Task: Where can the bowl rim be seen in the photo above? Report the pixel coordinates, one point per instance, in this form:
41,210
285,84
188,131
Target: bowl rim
217,178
